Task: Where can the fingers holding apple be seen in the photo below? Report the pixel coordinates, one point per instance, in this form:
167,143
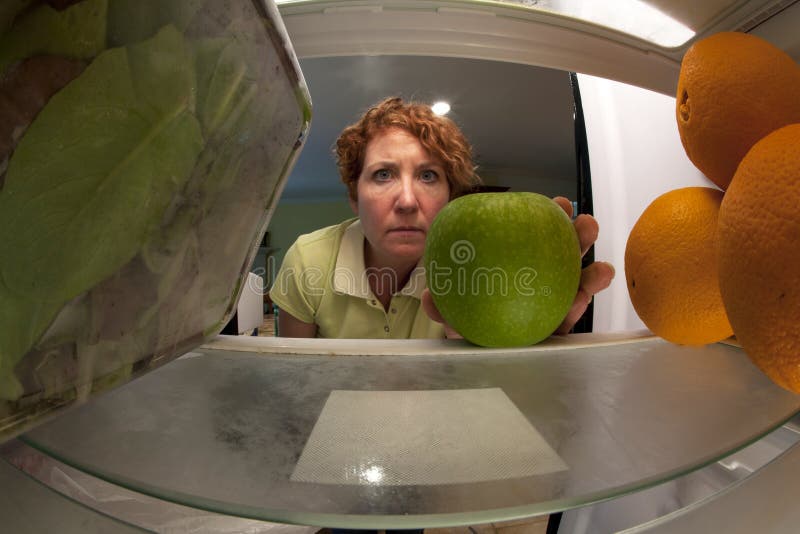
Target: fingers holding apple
595,277
487,319
502,268
585,225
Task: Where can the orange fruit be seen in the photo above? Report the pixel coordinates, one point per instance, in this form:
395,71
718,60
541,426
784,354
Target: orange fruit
671,267
759,255
734,88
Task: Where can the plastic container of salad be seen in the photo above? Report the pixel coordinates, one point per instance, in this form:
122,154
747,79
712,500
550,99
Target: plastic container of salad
143,146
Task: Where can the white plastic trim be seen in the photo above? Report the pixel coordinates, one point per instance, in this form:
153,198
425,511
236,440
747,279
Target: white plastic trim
482,32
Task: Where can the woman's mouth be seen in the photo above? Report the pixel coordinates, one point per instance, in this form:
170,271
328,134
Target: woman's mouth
406,230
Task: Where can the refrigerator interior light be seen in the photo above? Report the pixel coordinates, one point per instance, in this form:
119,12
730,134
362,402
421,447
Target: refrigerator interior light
634,17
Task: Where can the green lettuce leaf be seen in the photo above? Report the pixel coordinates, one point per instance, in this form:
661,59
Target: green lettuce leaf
130,21
223,86
224,95
89,183
219,74
77,32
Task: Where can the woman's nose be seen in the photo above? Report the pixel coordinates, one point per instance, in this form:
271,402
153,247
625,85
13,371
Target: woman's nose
407,195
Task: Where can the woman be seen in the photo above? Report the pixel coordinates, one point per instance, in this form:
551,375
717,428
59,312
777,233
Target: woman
363,278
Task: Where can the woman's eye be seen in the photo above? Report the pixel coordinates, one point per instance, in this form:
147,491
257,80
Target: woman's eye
429,176
382,174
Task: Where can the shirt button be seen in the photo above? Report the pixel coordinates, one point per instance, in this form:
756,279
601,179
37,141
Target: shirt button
394,310
386,329
373,302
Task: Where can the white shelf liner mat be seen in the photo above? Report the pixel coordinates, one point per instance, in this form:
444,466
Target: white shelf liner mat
393,438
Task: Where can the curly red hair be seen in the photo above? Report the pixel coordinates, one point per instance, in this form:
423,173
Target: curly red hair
439,135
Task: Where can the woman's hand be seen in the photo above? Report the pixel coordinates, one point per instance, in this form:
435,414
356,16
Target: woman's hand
594,278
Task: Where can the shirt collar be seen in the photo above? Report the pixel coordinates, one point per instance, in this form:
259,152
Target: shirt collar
350,273
416,282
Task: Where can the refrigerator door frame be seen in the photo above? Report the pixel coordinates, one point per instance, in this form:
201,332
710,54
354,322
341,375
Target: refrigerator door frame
501,32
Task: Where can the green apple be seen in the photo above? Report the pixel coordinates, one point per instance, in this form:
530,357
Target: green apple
503,268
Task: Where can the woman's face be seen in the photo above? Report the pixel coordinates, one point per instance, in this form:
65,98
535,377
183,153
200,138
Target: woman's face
401,188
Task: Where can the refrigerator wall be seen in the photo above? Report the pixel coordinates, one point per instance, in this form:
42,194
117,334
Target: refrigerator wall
635,154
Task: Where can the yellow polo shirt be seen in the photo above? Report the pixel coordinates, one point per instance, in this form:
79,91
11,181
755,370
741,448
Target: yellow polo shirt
323,280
